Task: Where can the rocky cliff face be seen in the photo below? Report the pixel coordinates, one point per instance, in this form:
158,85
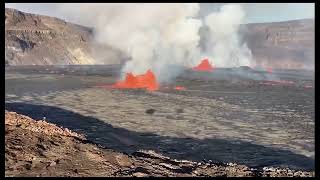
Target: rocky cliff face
41,40
287,44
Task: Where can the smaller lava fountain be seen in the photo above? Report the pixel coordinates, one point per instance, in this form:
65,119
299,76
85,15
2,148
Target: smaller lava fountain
269,70
145,81
204,66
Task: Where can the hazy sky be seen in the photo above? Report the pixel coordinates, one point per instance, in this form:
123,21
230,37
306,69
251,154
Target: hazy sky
256,12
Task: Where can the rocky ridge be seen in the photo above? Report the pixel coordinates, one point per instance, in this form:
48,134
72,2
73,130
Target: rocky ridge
32,39
288,45
38,148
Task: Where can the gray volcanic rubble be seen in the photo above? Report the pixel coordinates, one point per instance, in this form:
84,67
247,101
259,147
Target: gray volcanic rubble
47,150
256,123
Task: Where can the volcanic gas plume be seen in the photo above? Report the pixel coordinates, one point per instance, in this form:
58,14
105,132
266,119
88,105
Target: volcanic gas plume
145,81
224,43
204,66
155,36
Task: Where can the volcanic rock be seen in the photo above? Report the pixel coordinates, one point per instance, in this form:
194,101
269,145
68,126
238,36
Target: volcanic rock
245,68
179,110
150,111
288,44
139,174
32,39
29,160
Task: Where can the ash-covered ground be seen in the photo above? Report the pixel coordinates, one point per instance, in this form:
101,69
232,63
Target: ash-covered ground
231,115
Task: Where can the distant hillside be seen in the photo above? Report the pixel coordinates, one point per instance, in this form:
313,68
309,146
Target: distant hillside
42,40
287,44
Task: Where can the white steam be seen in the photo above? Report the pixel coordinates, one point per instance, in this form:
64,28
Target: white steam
224,46
157,35
152,35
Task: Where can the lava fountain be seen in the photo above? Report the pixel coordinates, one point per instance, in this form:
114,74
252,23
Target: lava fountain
204,66
269,70
145,81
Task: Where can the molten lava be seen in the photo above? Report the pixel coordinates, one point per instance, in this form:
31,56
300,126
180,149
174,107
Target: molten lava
146,81
204,66
180,88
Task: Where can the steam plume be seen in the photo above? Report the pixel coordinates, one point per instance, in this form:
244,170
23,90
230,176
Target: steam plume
223,45
152,35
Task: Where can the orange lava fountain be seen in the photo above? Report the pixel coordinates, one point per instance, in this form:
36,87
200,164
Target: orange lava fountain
269,70
145,81
204,66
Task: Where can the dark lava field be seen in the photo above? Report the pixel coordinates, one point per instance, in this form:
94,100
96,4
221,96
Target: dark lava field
236,115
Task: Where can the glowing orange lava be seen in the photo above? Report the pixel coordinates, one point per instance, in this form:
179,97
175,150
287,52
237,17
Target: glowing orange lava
145,81
180,88
204,66
277,82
